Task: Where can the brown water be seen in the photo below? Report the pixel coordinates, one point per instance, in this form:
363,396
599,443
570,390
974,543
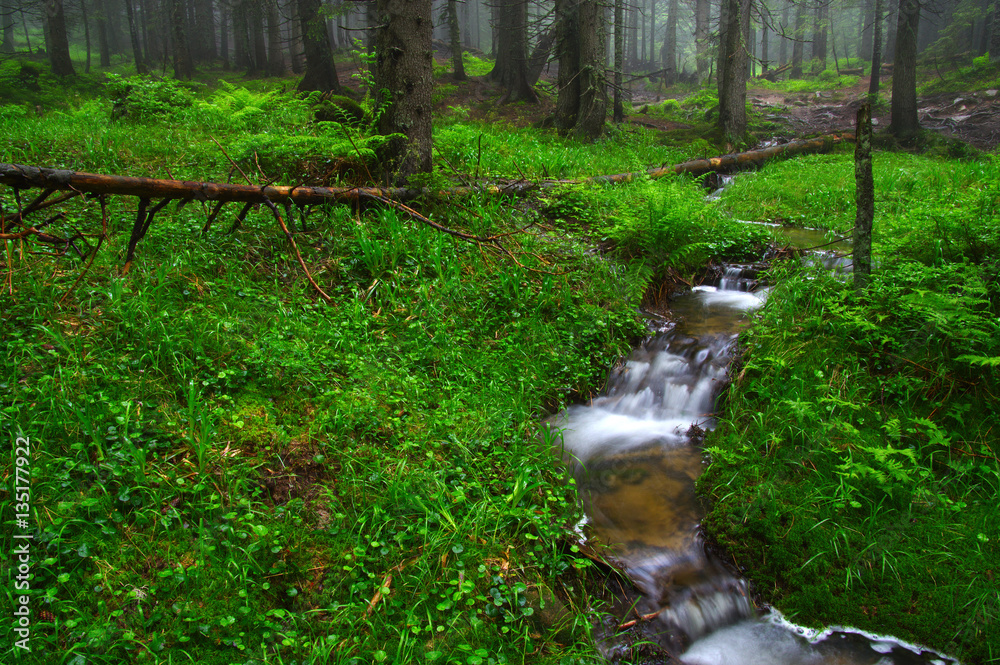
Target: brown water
635,454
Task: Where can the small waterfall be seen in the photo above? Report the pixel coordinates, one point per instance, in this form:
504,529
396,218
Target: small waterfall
635,452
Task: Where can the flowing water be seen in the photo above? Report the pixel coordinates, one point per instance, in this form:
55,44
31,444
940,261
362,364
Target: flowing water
635,451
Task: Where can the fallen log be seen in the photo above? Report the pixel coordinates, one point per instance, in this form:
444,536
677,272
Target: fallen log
22,177
27,177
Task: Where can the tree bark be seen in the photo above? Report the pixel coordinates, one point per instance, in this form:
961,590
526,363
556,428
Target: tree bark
582,105
183,65
103,42
404,68
819,43
701,38
868,24
670,45
140,63
321,72
733,72
995,35
86,33
511,68
541,54
876,51
275,57
865,198
891,23
904,122
783,45
455,35
618,110
58,47
7,23
797,45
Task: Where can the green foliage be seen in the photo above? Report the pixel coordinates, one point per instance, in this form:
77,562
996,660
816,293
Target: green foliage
857,447
338,108
139,98
236,109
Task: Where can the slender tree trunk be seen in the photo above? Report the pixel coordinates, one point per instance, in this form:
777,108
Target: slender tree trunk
7,21
652,31
670,45
876,51
258,42
865,198
995,35
618,110
891,23
103,43
24,25
701,37
275,57
763,49
86,33
783,44
797,45
593,108
224,15
868,22
321,72
183,66
903,111
455,35
404,67
822,16
541,54
58,48
140,63
295,47
632,37
511,68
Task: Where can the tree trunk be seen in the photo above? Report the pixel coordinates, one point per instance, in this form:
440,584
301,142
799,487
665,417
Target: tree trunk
865,198
701,38
733,71
868,23
797,45
255,21
183,65
511,68
404,67
86,33
455,35
541,54
995,35
903,111
58,47
764,63
295,41
876,51
582,105
783,45
224,15
204,30
7,21
618,110
891,23
819,48
652,31
632,37
670,45
275,57
103,43
321,72
140,63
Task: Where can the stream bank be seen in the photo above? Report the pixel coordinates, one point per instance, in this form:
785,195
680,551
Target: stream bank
636,453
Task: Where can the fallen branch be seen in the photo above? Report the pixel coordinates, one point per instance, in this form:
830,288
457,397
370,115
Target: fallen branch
26,177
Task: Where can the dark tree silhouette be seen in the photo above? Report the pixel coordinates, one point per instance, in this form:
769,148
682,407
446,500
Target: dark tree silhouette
321,72
511,68
904,122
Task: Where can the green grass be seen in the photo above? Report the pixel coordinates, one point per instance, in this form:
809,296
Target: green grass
855,470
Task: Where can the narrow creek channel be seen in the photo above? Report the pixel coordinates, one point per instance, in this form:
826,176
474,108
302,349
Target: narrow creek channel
636,454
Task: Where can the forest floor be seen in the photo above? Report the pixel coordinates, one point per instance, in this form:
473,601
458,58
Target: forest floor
972,117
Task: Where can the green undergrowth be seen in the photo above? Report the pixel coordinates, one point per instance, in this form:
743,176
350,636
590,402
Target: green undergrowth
818,191
225,469
855,470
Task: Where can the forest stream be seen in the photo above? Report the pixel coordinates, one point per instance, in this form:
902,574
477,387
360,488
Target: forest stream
636,454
